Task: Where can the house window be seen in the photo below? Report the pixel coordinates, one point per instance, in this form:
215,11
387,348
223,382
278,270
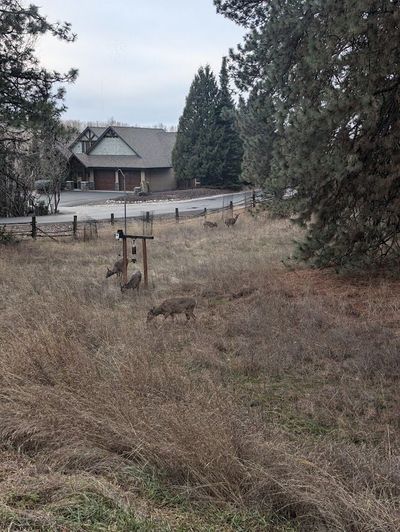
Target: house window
86,144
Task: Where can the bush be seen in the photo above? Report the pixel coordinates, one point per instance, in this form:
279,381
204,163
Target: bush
42,185
6,237
41,209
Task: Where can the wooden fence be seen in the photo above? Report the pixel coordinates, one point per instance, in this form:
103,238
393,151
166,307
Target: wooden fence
54,231
35,230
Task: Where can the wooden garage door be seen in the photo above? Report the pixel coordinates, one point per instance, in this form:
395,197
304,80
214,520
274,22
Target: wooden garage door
104,179
132,179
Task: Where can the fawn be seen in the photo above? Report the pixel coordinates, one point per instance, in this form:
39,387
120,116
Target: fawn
133,283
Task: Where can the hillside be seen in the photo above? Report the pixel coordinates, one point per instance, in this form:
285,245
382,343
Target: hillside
277,409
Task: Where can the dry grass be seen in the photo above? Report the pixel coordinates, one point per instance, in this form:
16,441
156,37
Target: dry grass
278,409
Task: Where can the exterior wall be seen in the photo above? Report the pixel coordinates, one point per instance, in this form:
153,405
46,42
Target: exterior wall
77,148
112,146
161,179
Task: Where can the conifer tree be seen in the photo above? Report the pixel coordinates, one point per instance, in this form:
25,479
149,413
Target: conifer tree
195,152
230,150
325,76
30,96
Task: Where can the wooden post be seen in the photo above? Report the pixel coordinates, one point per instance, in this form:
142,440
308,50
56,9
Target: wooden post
146,275
34,228
125,260
254,199
205,212
147,217
176,215
75,226
112,218
231,207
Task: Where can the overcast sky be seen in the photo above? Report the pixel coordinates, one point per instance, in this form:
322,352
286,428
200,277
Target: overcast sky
136,58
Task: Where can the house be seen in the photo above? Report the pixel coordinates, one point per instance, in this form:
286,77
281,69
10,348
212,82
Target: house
105,157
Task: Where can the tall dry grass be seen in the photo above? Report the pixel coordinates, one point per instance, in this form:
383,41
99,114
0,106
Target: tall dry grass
282,400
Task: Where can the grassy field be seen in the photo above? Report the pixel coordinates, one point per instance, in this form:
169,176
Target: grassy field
277,409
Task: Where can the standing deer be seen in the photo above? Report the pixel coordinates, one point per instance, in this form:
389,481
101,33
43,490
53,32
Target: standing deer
133,283
117,269
231,221
170,307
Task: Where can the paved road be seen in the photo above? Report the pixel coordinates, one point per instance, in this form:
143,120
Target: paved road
69,207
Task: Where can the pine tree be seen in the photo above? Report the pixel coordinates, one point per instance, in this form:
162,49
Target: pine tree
230,149
29,97
325,76
195,152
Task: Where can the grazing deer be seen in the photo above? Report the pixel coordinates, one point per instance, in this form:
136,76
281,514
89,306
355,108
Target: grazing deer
231,221
170,307
116,270
210,224
133,283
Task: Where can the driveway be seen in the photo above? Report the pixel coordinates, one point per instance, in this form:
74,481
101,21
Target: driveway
87,211
74,198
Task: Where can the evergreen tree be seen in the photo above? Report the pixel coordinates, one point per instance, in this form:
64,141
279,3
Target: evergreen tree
325,78
28,98
195,152
257,129
230,150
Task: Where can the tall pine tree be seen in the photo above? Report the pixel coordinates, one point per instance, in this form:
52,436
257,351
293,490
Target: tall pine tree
208,146
195,153
326,78
30,97
230,150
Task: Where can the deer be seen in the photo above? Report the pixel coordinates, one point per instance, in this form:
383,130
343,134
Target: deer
133,283
210,225
229,222
117,269
171,307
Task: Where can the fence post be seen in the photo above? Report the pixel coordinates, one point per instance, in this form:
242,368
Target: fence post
147,217
205,212
112,218
231,207
145,266
254,199
75,226
176,215
124,260
34,229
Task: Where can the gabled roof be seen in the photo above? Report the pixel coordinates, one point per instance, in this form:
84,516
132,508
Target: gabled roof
153,147
96,130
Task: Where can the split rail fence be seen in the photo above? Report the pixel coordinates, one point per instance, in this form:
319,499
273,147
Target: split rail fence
77,229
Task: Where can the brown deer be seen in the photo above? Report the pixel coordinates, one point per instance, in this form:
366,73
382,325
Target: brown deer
170,307
116,270
210,224
133,283
229,222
